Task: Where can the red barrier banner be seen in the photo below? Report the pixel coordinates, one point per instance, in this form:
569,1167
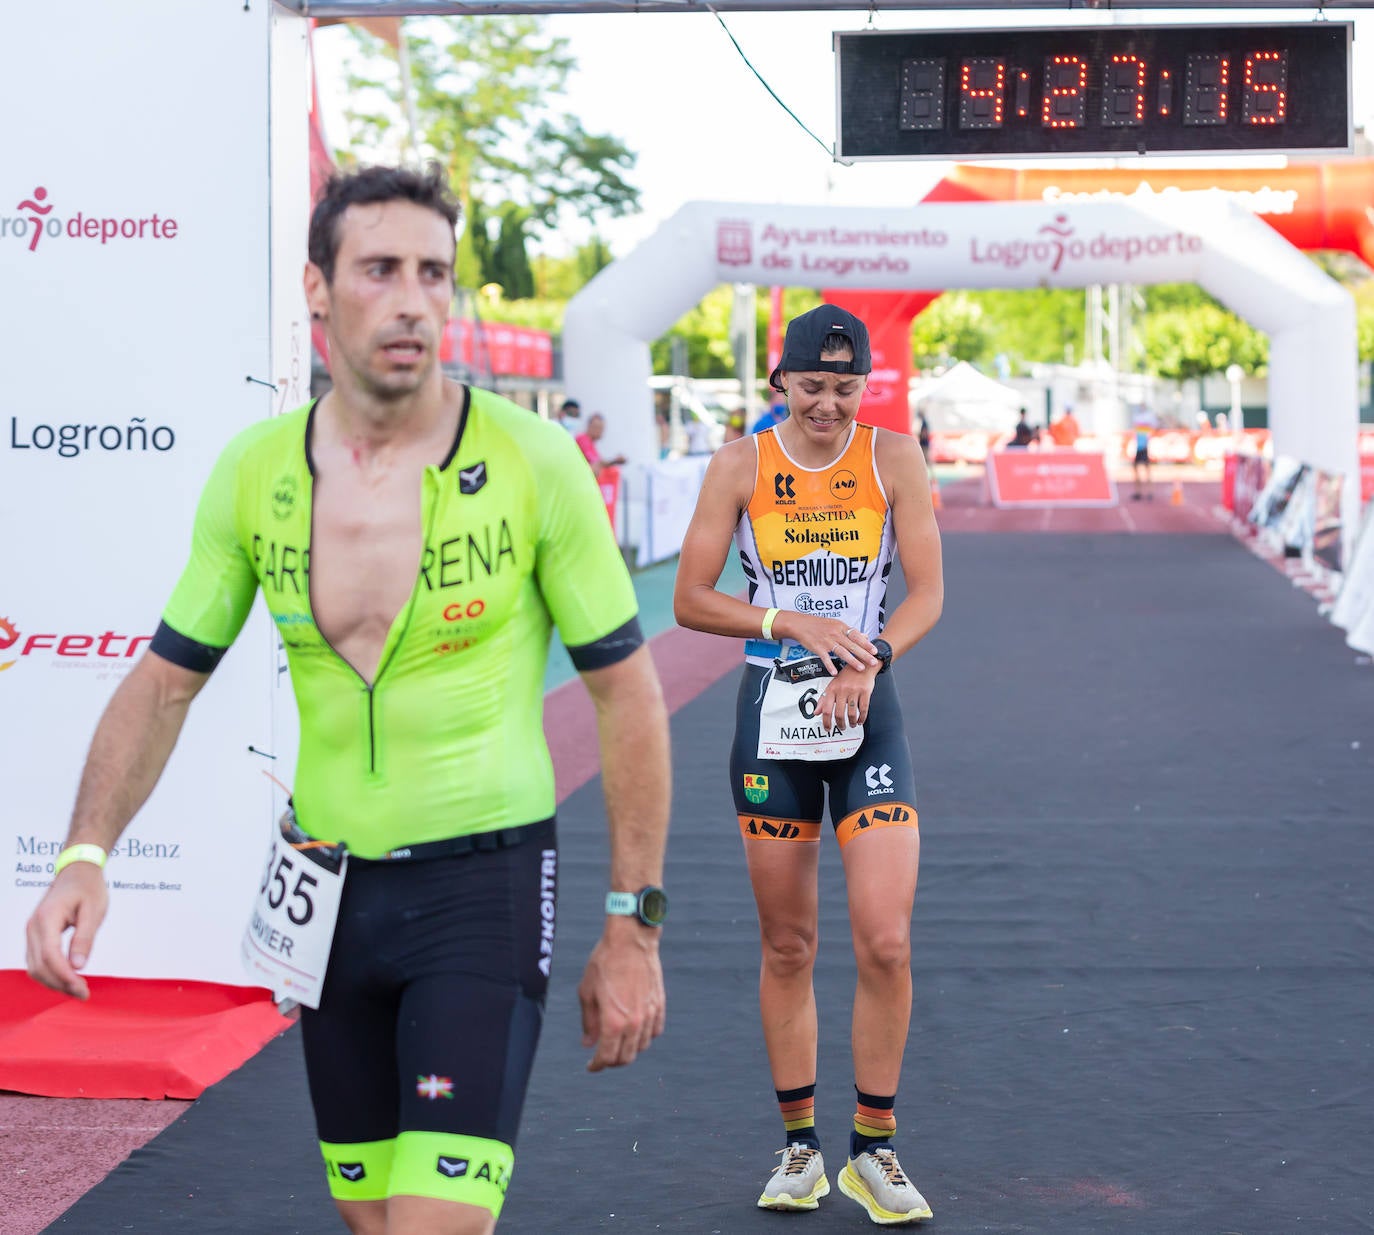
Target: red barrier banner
1049,478
609,480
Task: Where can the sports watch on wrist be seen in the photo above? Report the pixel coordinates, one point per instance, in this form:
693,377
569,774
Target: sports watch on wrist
882,649
649,905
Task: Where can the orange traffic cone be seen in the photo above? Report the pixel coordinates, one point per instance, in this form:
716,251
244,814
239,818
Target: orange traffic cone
935,502
1176,496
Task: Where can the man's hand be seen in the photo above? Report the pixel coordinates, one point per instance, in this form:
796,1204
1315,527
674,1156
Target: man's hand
623,1004
77,898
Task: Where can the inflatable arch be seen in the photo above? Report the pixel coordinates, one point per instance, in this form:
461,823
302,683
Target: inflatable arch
1201,237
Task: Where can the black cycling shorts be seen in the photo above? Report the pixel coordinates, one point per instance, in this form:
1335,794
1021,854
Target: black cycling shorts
420,1052
784,799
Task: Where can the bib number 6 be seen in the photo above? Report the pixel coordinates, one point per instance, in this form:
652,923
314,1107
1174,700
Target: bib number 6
806,705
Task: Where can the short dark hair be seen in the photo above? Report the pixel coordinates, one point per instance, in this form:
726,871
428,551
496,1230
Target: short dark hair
367,185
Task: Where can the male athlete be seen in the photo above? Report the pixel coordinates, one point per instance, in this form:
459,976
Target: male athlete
415,540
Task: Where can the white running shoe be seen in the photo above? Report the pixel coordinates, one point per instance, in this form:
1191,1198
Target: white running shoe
799,1183
876,1180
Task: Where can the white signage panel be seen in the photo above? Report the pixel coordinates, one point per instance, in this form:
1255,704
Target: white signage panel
135,307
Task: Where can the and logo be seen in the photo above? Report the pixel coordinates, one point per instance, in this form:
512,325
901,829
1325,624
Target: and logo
774,828
434,1087
471,479
734,242
35,219
843,485
755,788
877,779
352,1171
782,485
452,1168
868,819
284,496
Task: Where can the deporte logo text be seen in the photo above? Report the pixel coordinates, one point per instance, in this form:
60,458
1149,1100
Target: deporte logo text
35,217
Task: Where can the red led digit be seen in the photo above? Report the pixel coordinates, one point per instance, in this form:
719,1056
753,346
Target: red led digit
1165,93
1265,97
1206,90
1022,93
1065,105
982,93
1123,92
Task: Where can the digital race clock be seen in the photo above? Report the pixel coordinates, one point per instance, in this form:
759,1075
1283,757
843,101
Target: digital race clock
969,94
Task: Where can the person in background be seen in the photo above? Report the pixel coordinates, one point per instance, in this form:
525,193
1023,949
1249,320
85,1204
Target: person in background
923,437
818,642
1140,463
1065,431
734,427
1024,434
569,415
774,414
591,451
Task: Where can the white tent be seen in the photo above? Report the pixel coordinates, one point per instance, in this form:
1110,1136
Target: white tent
962,398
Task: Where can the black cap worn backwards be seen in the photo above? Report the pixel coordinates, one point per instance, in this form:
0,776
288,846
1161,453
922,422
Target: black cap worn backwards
801,349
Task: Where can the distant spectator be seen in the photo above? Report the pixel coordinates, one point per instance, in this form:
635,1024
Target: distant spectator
734,427
1141,463
1024,434
665,432
570,416
596,426
1065,430
923,436
774,415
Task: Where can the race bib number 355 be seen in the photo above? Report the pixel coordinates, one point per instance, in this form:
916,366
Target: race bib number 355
291,929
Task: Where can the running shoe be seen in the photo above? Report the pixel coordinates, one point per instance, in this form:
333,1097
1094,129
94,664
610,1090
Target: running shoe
799,1183
876,1180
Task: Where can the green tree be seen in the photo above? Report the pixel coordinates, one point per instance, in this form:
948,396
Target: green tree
1193,341
484,89
951,328
510,264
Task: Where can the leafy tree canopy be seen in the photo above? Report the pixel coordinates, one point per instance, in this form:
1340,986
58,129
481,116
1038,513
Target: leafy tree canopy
484,95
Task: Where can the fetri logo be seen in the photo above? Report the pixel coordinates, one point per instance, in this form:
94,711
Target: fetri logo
34,218
106,646
1057,243
8,637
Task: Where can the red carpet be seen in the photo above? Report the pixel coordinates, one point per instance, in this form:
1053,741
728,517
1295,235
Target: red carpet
134,1038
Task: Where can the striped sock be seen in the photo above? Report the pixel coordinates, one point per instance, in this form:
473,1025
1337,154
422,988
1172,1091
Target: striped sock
874,1122
798,1107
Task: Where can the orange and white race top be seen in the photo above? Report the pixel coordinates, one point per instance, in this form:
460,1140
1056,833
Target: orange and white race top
817,540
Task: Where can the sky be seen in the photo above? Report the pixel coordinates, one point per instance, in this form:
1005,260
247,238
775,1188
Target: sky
673,88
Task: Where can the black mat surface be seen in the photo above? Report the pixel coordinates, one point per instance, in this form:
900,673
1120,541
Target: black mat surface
1143,945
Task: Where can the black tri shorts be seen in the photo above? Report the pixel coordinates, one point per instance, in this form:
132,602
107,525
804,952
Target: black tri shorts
432,1005
784,799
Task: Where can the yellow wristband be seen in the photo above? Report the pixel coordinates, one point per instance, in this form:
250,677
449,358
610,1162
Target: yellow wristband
768,623
79,853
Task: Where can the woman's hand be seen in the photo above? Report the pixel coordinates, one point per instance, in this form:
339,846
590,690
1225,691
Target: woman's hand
827,637
844,702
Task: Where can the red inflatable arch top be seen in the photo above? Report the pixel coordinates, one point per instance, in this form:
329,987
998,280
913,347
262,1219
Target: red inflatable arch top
1311,205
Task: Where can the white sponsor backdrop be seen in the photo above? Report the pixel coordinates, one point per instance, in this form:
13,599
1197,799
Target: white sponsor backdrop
140,138
1188,237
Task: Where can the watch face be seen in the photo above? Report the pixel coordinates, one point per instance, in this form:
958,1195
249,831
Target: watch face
653,906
